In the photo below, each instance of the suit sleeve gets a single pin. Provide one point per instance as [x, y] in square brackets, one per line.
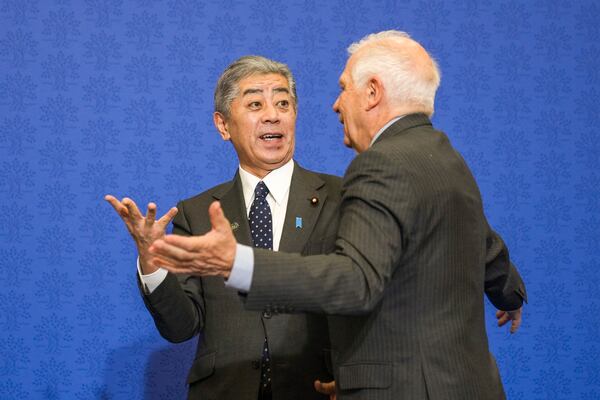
[177, 305]
[503, 284]
[368, 247]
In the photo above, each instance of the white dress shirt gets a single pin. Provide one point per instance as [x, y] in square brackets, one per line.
[278, 182]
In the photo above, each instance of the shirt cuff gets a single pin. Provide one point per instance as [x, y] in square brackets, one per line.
[153, 280]
[240, 277]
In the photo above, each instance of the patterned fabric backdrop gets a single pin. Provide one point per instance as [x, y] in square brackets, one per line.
[114, 96]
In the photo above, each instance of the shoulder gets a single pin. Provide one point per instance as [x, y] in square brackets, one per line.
[320, 178]
[204, 199]
[376, 159]
[412, 149]
[332, 181]
[379, 173]
[332, 186]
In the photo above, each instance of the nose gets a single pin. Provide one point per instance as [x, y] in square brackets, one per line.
[336, 105]
[270, 114]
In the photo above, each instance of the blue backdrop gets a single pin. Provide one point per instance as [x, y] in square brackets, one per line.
[113, 96]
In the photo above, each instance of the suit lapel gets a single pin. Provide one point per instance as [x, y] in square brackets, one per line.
[300, 210]
[232, 202]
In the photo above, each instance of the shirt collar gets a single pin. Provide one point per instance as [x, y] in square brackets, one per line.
[383, 129]
[278, 182]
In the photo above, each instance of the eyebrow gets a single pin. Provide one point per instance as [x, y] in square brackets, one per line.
[254, 90]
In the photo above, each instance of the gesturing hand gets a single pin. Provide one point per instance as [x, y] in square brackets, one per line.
[210, 254]
[514, 316]
[143, 229]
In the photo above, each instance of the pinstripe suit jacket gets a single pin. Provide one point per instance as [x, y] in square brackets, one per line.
[231, 339]
[405, 286]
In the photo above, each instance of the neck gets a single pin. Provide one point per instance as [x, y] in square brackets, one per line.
[383, 118]
[260, 171]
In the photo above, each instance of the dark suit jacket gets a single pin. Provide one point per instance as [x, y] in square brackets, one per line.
[414, 257]
[231, 338]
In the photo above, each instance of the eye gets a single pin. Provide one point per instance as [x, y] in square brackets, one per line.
[254, 105]
[283, 103]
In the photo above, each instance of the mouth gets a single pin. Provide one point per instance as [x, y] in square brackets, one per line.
[270, 136]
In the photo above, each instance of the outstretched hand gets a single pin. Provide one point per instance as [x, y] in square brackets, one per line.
[143, 229]
[514, 316]
[210, 254]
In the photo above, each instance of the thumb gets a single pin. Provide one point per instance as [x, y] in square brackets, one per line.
[218, 221]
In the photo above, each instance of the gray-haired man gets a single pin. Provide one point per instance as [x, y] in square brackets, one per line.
[272, 203]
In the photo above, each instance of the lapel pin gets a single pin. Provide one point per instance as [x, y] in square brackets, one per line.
[314, 201]
[234, 226]
[298, 222]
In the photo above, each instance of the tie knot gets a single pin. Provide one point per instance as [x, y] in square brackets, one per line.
[261, 191]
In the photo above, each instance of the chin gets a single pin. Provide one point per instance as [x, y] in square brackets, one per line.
[347, 141]
[275, 160]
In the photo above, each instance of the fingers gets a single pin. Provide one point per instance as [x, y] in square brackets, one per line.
[141, 227]
[121, 210]
[515, 325]
[168, 217]
[171, 251]
[503, 317]
[111, 199]
[516, 320]
[325, 387]
[177, 267]
[131, 207]
[116, 204]
[188, 243]
[514, 316]
[169, 266]
[162, 262]
[150, 215]
[217, 218]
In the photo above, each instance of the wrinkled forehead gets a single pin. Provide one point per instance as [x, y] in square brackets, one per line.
[262, 83]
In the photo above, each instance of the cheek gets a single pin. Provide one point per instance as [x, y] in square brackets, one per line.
[290, 124]
[348, 122]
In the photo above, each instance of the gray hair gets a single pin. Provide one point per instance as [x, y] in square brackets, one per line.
[227, 87]
[404, 80]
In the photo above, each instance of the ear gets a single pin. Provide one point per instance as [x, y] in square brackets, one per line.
[374, 92]
[221, 125]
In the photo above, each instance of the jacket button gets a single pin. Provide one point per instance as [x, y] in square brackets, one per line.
[266, 314]
[255, 364]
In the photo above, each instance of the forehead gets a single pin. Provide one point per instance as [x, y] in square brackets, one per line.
[263, 82]
[346, 77]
